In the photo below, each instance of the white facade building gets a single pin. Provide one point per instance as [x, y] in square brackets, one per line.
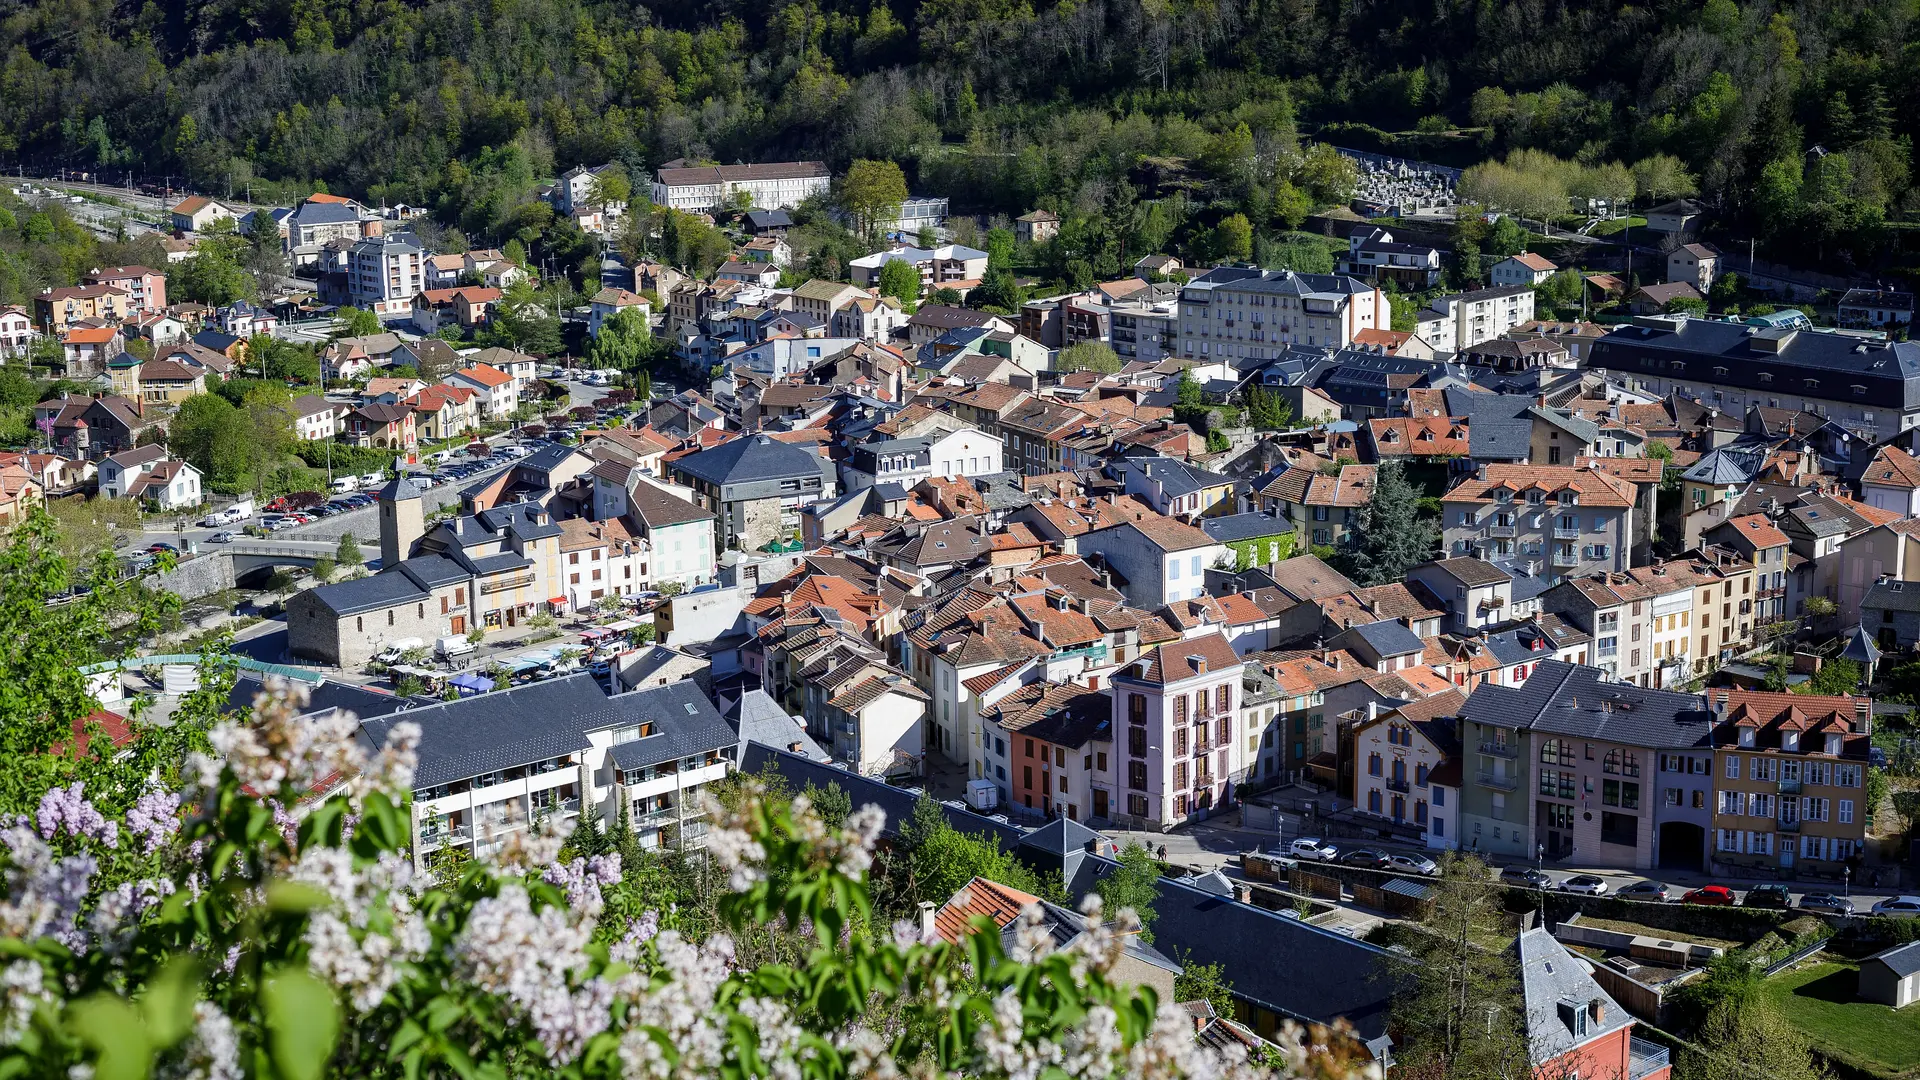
[1234, 312]
[775, 186]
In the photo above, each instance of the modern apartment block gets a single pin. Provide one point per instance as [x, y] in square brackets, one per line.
[385, 273]
[703, 189]
[492, 765]
[1461, 321]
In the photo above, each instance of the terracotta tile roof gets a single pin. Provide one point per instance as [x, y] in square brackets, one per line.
[1759, 531]
[1307, 671]
[1894, 467]
[1640, 470]
[1534, 262]
[1390, 340]
[1592, 488]
[998, 904]
[1353, 486]
[91, 335]
[1180, 660]
[1419, 436]
[485, 375]
[1773, 714]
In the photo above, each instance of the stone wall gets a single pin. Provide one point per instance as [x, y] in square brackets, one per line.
[201, 576]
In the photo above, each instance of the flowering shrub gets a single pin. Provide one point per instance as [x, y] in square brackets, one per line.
[267, 921]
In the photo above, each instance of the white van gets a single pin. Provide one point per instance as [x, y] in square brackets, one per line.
[453, 645]
[373, 480]
[397, 648]
[345, 484]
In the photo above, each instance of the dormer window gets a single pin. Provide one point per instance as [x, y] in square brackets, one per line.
[1789, 740]
[1833, 743]
[1536, 497]
[1503, 495]
[1766, 377]
[1719, 371]
[1746, 738]
[1813, 384]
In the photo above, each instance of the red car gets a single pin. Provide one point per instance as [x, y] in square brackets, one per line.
[1711, 895]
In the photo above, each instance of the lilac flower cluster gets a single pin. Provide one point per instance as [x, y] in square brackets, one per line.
[583, 879]
[22, 989]
[529, 959]
[154, 819]
[364, 938]
[116, 915]
[66, 810]
[212, 1050]
[44, 892]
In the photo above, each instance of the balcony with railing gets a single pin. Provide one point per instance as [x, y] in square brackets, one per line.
[1500, 749]
[1566, 558]
[1644, 1058]
[1499, 781]
[1562, 532]
[432, 839]
[1501, 532]
[1789, 826]
[1399, 784]
[1790, 787]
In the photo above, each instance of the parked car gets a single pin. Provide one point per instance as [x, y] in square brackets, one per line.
[1899, 907]
[1711, 896]
[1413, 864]
[224, 536]
[1768, 896]
[1827, 902]
[1525, 877]
[1308, 847]
[1644, 890]
[1585, 883]
[1364, 857]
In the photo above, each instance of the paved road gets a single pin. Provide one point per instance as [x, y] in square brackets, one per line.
[1218, 843]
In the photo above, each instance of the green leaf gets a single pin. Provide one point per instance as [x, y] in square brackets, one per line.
[294, 896]
[302, 1023]
[167, 1006]
[113, 1029]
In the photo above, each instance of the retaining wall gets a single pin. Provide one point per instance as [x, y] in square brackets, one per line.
[200, 576]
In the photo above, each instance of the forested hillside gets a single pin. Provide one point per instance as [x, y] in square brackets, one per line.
[1001, 104]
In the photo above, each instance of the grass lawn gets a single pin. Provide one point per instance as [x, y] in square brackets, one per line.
[1820, 999]
[1616, 225]
[1621, 926]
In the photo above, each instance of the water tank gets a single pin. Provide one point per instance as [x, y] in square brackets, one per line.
[179, 679]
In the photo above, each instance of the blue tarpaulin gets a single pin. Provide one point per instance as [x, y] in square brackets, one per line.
[469, 685]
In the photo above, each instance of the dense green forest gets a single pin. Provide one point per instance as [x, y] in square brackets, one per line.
[1790, 116]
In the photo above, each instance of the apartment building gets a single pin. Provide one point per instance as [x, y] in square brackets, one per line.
[1573, 520]
[385, 273]
[1059, 740]
[491, 765]
[1871, 388]
[937, 267]
[1144, 330]
[1235, 312]
[1459, 322]
[146, 289]
[1409, 766]
[1574, 766]
[1177, 707]
[704, 189]
[1790, 780]
[57, 309]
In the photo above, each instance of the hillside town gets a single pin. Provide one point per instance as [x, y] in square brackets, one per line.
[1305, 586]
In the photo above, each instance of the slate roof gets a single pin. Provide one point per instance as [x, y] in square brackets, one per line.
[1226, 530]
[760, 719]
[1552, 980]
[1176, 477]
[1571, 699]
[326, 696]
[1389, 637]
[503, 730]
[656, 509]
[1892, 596]
[372, 593]
[1902, 960]
[1767, 360]
[685, 723]
[747, 460]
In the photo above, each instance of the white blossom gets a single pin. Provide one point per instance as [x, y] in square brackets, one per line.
[211, 1051]
[22, 989]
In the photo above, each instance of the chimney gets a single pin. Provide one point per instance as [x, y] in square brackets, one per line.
[1862, 716]
[372, 230]
[1597, 1008]
[1720, 700]
[1243, 892]
[926, 920]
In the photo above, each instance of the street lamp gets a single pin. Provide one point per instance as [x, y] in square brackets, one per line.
[1846, 881]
